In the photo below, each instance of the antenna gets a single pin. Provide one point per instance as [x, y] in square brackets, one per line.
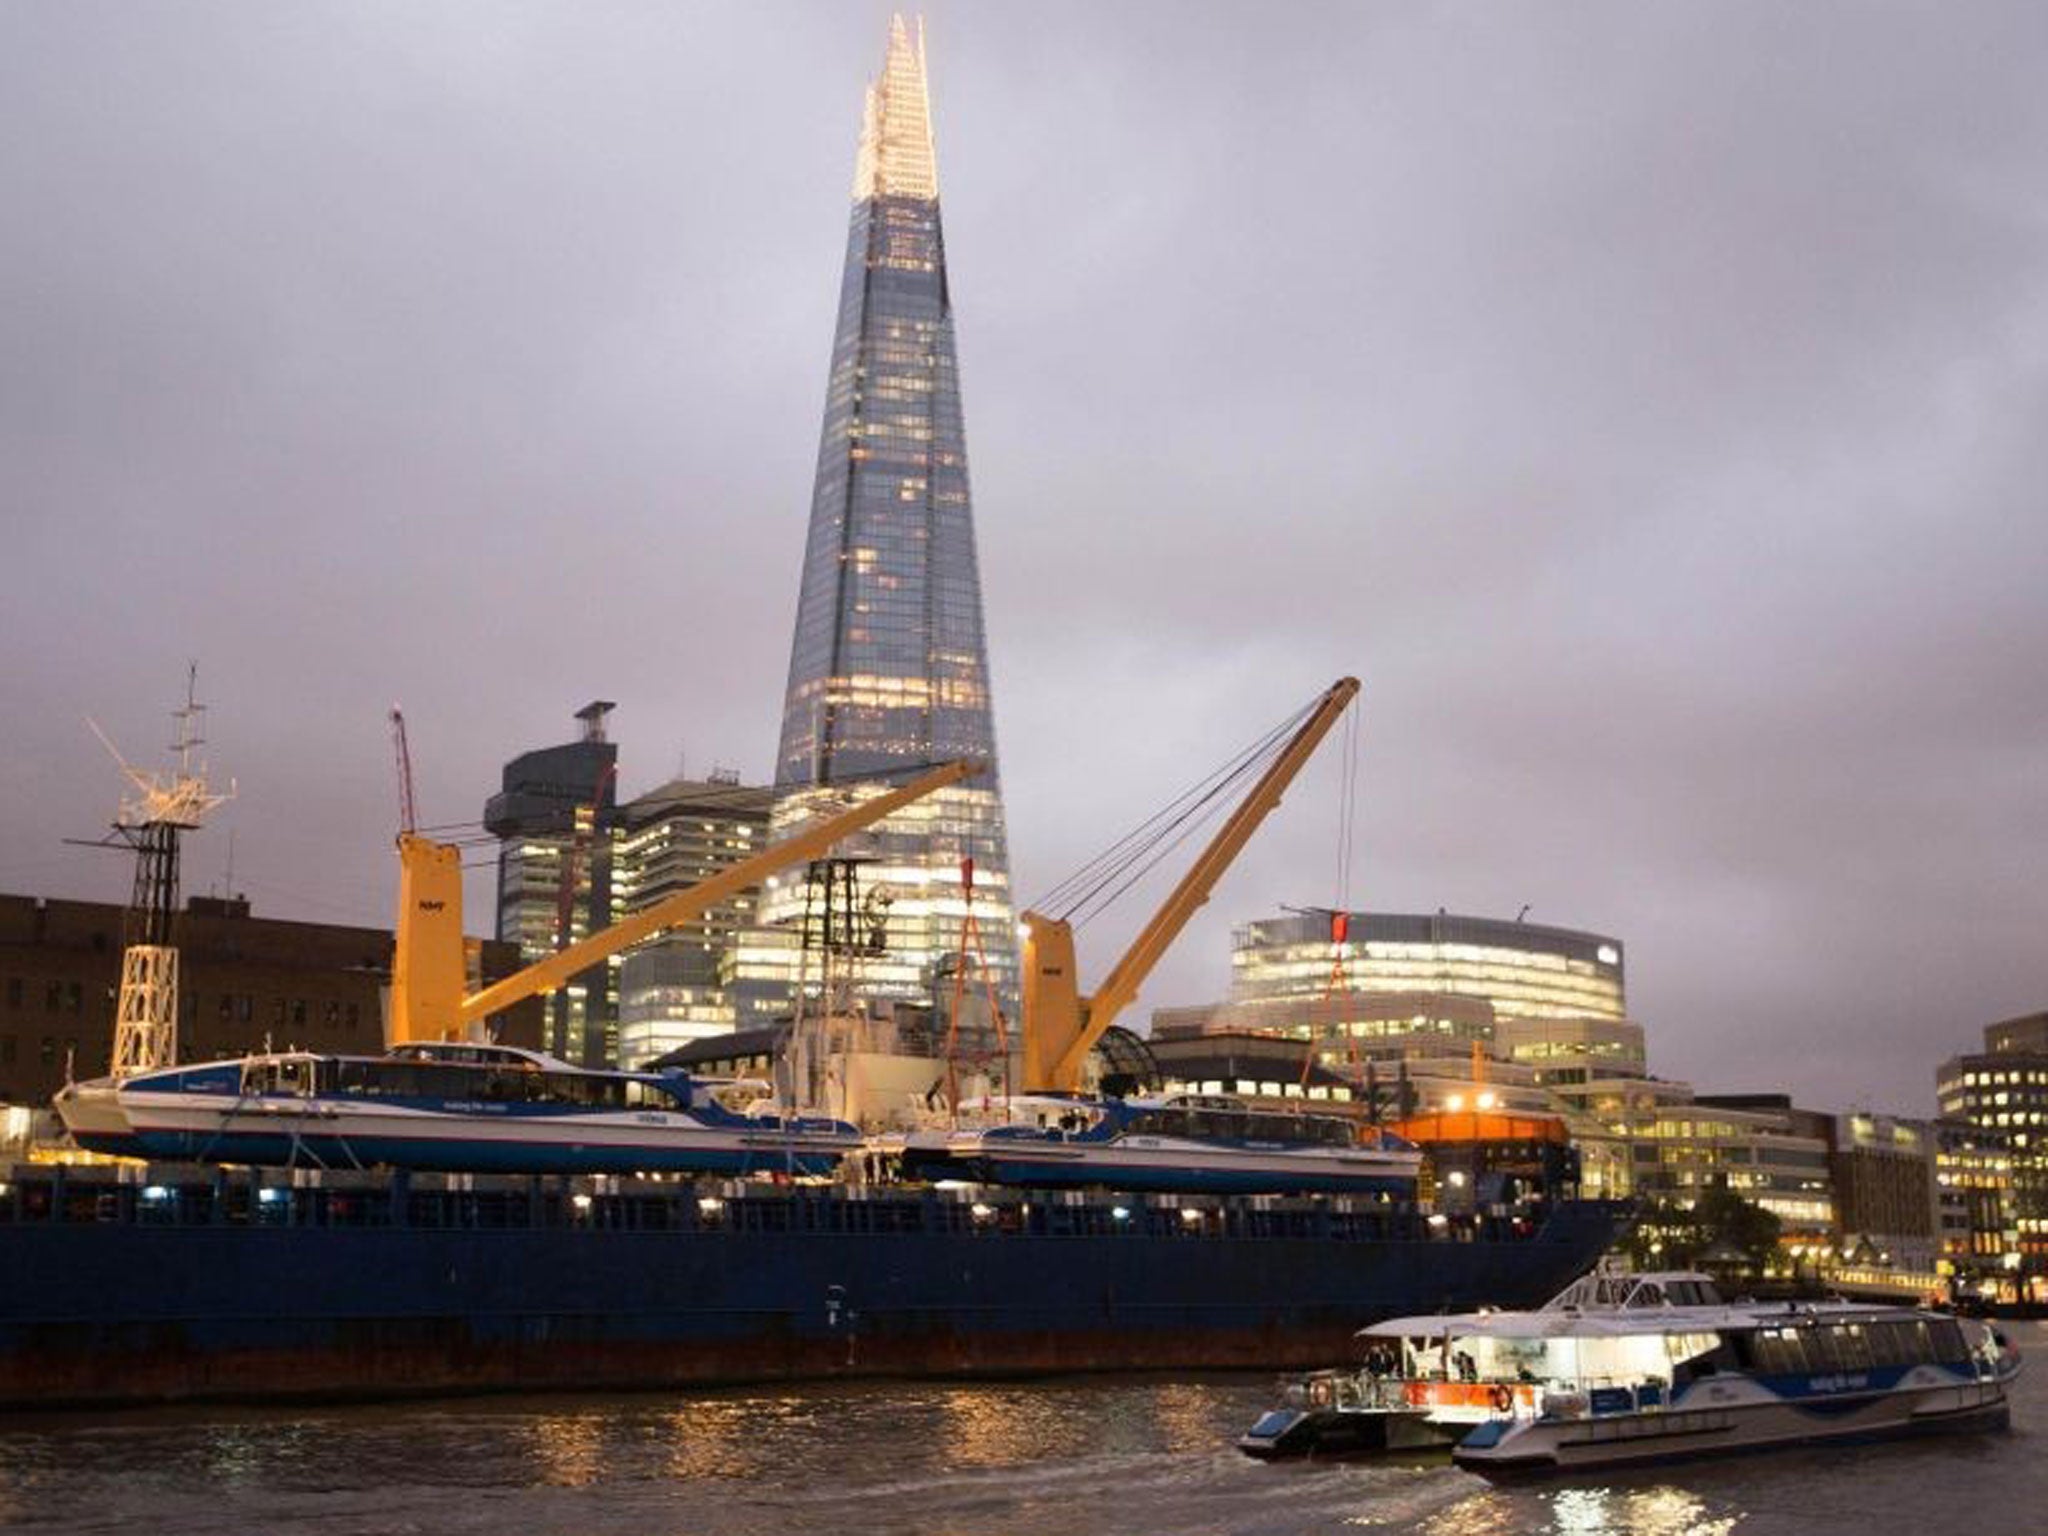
[162, 809]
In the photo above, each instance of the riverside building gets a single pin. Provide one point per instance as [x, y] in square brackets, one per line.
[1978, 1228]
[554, 817]
[2003, 1090]
[888, 666]
[1523, 970]
[683, 985]
[1883, 1171]
[1755, 1144]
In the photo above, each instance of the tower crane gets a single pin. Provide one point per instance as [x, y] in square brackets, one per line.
[1060, 1023]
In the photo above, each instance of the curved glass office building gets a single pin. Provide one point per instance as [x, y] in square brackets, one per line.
[1525, 970]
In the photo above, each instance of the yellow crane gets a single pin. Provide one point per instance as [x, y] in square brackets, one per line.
[428, 973]
[1061, 1025]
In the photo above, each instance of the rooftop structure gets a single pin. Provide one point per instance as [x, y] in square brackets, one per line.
[2027, 1033]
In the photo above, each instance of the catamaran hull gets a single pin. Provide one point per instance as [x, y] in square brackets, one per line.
[92, 1113]
[1545, 1449]
[287, 1133]
[1334, 1434]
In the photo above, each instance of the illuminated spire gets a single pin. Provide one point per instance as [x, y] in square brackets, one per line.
[896, 158]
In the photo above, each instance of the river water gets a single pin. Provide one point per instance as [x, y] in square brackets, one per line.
[1134, 1456]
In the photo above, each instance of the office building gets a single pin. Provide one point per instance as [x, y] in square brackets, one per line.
[1757, 1145]
[554, 816]
[1524, 970]
[1977, 1225]
[682, 985]
[2003, 1090]
[1345, 1025]
[1883, 1171]
[889, 664]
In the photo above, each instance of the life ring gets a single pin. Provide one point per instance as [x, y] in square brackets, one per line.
[1503, 1399]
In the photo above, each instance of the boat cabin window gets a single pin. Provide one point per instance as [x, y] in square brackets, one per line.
[1691, 1293]
[492, 1082]
[293, 1075]
[1208, 1122]
[1950, 1348]
[1898, 1343]
[1776, 1352]
[1792, 1349]
[488, 1080]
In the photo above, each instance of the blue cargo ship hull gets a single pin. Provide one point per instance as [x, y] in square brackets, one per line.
[372, 1285]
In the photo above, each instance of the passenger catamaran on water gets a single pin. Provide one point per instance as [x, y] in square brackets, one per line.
[1621, 1370]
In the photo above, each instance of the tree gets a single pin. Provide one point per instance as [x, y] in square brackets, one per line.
[1672, 1236]
[1729, 1221]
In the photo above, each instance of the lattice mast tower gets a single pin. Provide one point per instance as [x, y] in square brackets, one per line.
[152, 821]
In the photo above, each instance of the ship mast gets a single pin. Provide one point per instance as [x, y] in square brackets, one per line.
[162, 809]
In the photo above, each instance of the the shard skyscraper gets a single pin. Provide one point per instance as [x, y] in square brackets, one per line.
[889, 666]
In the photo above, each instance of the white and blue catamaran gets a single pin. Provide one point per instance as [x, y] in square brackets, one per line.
[1177, 1144]
[453, 1106]
[1624, 1370]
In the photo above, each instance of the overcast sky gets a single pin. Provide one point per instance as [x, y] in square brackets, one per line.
[1646, 402]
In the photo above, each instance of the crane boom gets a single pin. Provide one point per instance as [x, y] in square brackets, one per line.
[1060, 1024]
[430, 920]
[407, 821]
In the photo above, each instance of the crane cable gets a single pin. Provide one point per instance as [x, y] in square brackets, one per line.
[1098, 884]
[1347, 813]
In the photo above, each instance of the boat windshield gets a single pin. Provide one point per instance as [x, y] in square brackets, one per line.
[279, 1074]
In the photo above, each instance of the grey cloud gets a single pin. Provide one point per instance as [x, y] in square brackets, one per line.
[1644, 402]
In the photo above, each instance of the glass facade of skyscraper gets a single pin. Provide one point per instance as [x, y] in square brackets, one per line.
[889, 665]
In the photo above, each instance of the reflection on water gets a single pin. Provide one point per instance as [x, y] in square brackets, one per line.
[1186, 1417]
[1144, 1456]
[565, 1447]
[984, 1430]
[711, 1438]
[1663, 1511]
